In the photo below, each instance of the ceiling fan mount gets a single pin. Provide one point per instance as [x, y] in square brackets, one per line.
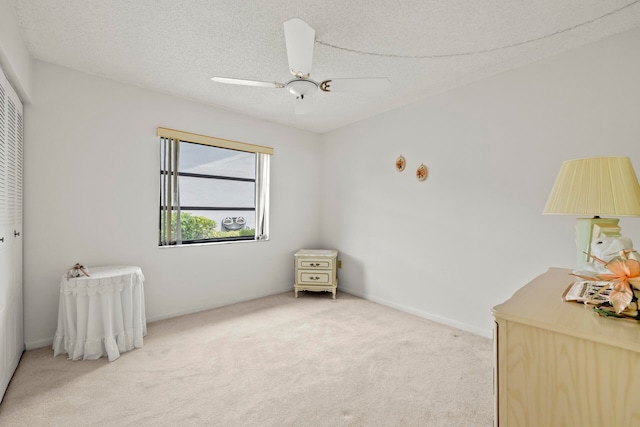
[300, 40]
[301, 87]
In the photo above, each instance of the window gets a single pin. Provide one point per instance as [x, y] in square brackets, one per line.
[211, 189]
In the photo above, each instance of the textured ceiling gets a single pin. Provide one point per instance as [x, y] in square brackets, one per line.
[423, 46]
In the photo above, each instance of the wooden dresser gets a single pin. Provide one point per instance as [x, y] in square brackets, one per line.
[316, 270]
[558, 364]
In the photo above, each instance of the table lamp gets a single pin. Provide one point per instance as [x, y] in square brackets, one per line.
[595, 186]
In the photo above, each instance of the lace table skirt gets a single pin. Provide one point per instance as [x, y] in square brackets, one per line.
[101, 315]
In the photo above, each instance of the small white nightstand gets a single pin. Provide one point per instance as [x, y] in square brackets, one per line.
[316, 270]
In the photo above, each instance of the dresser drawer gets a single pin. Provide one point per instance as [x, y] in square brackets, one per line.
[310, 263]
[314, 277]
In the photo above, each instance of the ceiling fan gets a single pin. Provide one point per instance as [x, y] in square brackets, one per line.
[300, 39]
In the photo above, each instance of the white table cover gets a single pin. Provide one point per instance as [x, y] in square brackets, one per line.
[101, 315]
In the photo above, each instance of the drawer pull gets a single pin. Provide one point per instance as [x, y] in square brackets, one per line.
[314, 278]
[16, 233]
[1, 239]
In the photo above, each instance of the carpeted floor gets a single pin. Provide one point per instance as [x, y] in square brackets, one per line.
[274, 361]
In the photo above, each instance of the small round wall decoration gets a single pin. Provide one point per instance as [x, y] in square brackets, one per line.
[400, 163]
[421, 172]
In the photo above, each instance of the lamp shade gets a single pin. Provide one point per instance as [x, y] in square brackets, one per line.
[595, 186]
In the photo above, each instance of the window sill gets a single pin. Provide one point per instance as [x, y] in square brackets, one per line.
[226, 242]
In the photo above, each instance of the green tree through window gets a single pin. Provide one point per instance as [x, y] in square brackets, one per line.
[195, 227]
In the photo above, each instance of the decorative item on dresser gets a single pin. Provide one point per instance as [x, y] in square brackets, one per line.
[593, 187]
[558, 365]
[316, 270]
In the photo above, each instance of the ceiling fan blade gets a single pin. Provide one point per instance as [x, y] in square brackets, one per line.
[231, 81]
[304, 105]
[373, 84]
[300, 38]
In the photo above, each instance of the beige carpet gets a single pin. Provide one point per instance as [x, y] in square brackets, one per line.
[274, 361]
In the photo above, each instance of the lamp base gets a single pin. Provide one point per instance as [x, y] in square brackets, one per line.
[588, 229]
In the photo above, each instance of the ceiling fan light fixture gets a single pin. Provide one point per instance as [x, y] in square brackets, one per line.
[302, 88]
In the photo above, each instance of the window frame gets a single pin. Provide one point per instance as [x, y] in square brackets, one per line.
[169, 186]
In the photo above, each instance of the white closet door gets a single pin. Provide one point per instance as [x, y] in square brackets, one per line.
[5, 249]
[15, 143]
[11, 302]
[4, 212]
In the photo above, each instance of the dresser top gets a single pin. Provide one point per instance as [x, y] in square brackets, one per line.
[331, 253]
[539, 303]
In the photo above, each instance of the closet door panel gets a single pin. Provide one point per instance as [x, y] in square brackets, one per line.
[4, 204]
[11, 299]
[6, 346]
[5, 356]
[16, 144]
[5, 248]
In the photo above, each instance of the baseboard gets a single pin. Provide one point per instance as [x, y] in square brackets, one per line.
[209, 307]
[426, 315]
[46, 342]
[31, 345]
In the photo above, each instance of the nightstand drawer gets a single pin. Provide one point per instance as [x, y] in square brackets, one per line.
[314, 277]
[322, 264]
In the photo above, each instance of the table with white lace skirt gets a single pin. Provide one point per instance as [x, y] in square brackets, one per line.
[101, 315]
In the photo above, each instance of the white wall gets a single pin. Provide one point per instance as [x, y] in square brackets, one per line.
[14, 56]
[91, 196]
[452, 247]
